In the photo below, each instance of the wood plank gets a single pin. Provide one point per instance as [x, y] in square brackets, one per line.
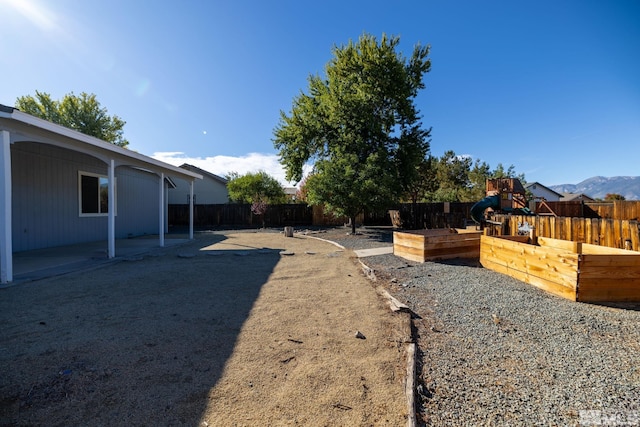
[400, 249]
[607, 274]
[599, 283]
[567, 232]
[564, 274]
[406, 253]
[442, 257]
[552, 228]
[597, 292]
[573, 247]
[635, 235]
[539, 282]
[543, 228]
[407, 239]
[451, 244]
[604, 250]
[588, 235]
[595, 231]
[626, 233]
[609, 260]
[428, 241]
[607, 233]
[521, 239]
[578, 226]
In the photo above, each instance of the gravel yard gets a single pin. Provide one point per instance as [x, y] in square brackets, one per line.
[496, 351]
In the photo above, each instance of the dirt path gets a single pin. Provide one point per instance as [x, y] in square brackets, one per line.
[225, 331]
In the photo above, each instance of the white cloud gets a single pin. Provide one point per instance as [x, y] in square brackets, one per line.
[222, 165]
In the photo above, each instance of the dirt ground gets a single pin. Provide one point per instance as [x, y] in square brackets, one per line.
[227, 330]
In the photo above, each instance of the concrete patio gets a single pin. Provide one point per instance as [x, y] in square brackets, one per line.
[48, 262]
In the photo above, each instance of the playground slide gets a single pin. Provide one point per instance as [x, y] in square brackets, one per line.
[477, 210]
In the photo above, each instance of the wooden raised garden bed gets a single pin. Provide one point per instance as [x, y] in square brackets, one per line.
[572, 270]
[437, 244]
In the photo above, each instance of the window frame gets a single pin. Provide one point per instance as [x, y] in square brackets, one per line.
[100, 177]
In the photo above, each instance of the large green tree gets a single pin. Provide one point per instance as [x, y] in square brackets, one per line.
[359, 126]
[79, 112]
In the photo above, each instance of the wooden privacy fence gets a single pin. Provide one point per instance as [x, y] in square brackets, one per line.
[613, 233]
[223, 215]
[617, 209]
[425, 215]
[420, 215]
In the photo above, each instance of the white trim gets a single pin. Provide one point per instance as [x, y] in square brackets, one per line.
[97, 175]
[161, 211]
[191, 210]
[6, 244]
[100, 149]
[111, 209]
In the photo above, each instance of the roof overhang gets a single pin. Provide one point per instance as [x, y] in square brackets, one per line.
[25, 127]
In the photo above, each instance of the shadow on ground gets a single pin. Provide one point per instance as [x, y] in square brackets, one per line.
[140, 342]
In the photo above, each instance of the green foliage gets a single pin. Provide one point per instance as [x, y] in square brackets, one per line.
[360, 126]
[454, 178]
[614, 196]
[255, 188]
[425, 185]
[82, 113]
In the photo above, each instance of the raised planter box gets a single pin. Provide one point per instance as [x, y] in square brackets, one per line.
[572, 270]
[437, 244]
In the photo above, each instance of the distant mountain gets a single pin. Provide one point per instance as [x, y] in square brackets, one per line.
[599, 186]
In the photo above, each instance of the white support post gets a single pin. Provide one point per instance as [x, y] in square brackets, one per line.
[191, 210]
[111, 215]
[6, 246]
[161, 210]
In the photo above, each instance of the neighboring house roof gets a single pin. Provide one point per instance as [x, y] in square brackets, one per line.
[532, 185]
[203, 173]
[567, 197]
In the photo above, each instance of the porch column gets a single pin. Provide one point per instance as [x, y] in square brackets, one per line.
[111, 215]
[161, 210]
[191, 210]
[6, 245]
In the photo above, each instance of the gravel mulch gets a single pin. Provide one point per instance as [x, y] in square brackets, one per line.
[496, 351]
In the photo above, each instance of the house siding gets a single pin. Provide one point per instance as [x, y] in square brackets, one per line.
[540, 191]
[138, 199]
[206, 191]
[45, 198]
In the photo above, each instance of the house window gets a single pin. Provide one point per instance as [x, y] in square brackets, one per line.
[93, 194]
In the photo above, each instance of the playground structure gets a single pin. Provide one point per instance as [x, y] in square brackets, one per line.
[503, 195]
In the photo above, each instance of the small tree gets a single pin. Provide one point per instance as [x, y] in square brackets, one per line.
[259, 207]
[82, 113]
[614, 196]
[258, 189]
[254, 187]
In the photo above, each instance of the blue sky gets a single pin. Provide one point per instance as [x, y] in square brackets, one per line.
[552, 87]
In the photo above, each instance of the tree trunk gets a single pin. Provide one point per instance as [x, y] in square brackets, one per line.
[353, 224]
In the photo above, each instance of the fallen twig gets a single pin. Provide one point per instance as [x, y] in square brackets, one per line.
[341, 406]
